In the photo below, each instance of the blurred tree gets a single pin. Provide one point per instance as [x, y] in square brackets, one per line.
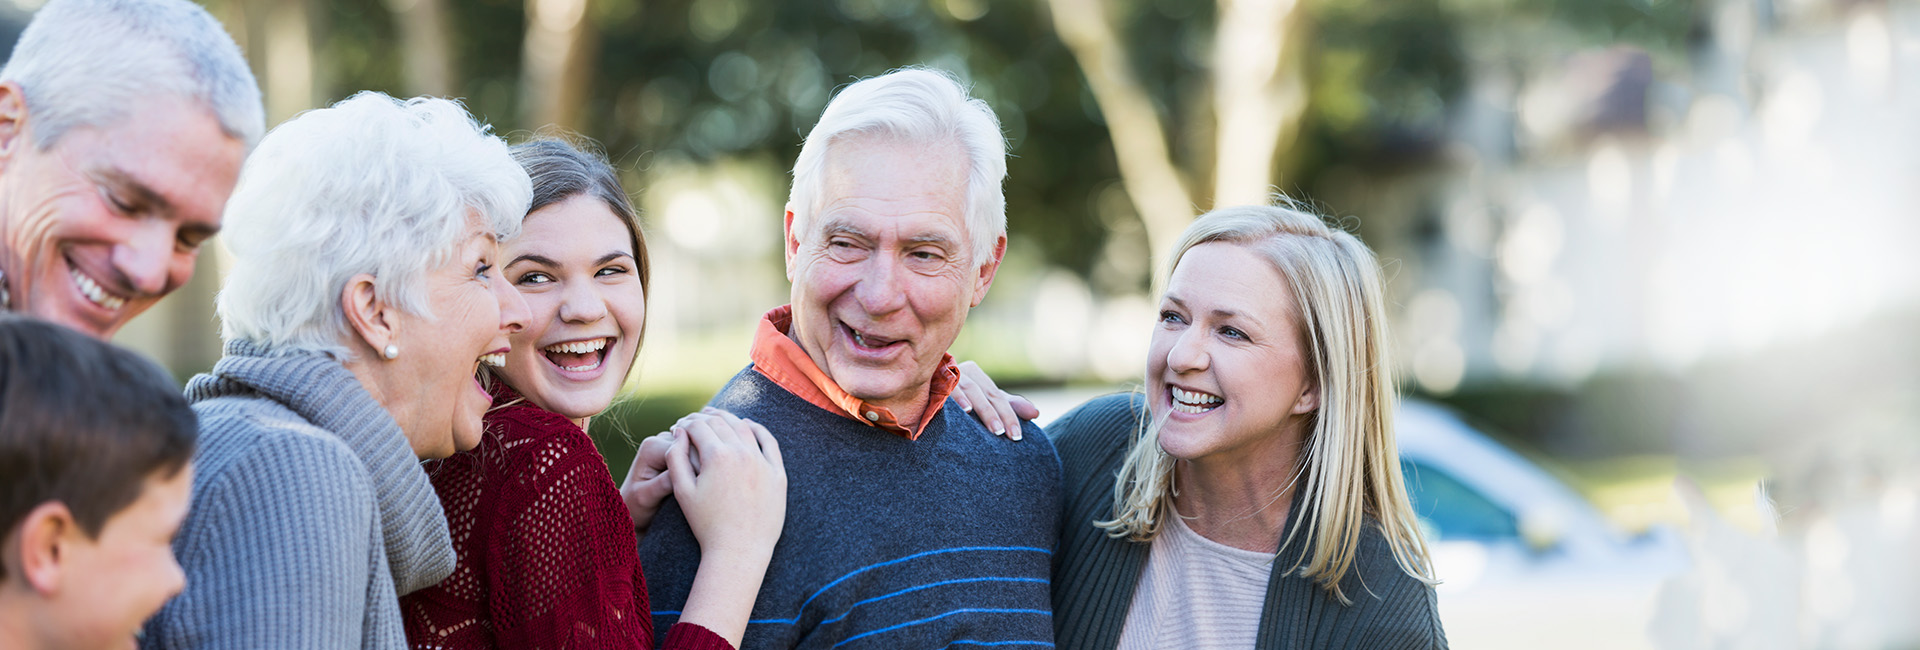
[1259, 96]
[557, 62]
[428, 68]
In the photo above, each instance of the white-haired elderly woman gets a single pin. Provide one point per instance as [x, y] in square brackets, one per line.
[363, 298]
[1252, 498]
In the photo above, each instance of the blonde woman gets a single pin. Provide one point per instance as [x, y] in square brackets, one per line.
[1259, 500]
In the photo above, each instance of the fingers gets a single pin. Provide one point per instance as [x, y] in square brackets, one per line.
[680, 468]
[1000, 402]
[769, 447]
[1023, 407]
[989, 415]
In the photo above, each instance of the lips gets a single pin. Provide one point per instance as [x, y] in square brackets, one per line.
[867, 340]
[1190, 401]
[579, 356]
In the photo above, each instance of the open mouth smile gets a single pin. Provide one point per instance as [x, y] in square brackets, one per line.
[91, 289]
[1188, 401]
[579, 356]
[867, 342]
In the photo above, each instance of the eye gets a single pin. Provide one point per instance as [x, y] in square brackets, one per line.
[483, 272]
[531, 278]
[611, 270]
[1233, 333]
[114, 200]
[1171, 318]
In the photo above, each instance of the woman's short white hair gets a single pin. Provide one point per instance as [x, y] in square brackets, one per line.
[371, 185]
[92, 62]
[916, 105]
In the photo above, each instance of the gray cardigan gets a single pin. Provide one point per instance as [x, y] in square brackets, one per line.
[1094, 575]
[310, 513]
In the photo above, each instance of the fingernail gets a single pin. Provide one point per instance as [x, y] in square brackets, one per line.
[999, 430]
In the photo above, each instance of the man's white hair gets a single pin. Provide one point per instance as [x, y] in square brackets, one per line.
[92, 62]
[371, 185]
[916, 105]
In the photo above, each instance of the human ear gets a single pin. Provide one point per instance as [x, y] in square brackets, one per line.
[43, 532]
[1309, 400]
[793, 243]
[368, 315]
[13, 122]
[988, 270]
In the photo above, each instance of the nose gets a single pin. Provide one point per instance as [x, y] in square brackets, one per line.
[144, 259]
[582, 303]
[513, 307]
[1189, 352]
[881, 289]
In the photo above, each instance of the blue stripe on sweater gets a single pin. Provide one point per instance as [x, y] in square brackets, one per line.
[970, 610]
[803, 605]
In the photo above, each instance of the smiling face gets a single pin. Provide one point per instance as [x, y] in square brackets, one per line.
[474, 310]
[107, 221]
[116, 580]
[884, 276]
[1228, 366]
[574, 263]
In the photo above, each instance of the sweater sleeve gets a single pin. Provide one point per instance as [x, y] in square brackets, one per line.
[691, 636]
[276, 554]
[563, 572]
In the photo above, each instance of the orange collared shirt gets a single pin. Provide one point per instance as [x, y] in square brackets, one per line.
[781, 360]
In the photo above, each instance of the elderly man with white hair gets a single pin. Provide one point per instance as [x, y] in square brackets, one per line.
[909, 524]
[123, 124]
[364, 297]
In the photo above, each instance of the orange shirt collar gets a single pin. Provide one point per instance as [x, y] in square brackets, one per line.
[781, 360]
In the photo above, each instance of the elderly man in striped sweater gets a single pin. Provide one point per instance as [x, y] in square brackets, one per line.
[909, 523]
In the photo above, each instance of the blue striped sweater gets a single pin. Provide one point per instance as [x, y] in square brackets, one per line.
[944, 541]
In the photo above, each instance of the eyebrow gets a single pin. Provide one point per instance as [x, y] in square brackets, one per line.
[548, 261]
[831, 228]
[1218, 313]
[122, 180]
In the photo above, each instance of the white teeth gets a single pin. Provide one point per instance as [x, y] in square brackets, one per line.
[579, 347]
[582, 368]
[1187, 401]
[94, 293]
[497, 359]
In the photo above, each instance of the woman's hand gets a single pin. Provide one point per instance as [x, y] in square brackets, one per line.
[1000, 410]
[728, 477]
[647, 483]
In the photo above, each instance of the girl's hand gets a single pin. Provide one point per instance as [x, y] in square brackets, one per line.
[647, 483]
[728, 477]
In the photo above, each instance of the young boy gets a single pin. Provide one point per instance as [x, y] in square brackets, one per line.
[95, 452]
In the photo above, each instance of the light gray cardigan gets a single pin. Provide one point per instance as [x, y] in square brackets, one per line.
[310, 513]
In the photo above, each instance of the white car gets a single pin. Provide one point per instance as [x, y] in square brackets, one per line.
[1525, 561]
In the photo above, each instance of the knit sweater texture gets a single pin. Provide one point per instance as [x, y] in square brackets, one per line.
[1095, 577]
[310, 514]
[891, 543]
[545, 546]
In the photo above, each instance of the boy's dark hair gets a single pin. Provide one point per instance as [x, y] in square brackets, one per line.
[82, 422]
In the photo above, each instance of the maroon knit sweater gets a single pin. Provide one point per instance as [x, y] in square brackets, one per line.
[545, 546]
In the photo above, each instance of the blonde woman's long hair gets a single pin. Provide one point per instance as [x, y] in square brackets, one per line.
[1350, 469]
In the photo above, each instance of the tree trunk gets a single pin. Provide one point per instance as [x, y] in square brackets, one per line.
[1259, 93]
[556, 63]
[1158, 192]
[427, 66]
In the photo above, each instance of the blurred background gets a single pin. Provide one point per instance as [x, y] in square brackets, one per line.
[1651, 263]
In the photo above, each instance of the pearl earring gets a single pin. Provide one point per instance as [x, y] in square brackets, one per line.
[392, 351]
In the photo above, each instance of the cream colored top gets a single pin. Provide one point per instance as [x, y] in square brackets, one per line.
[1197, 593]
